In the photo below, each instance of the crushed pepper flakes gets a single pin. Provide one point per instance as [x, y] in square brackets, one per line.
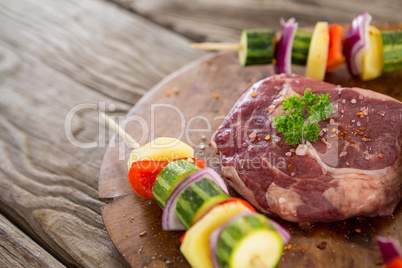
[268, 137]
[358, 230]
[126, 235]
[287, 247]
[253, 94]
[380, 155]
[216, 96]
[167, 93]
[143, 233]
[360, 114]
[176, 90]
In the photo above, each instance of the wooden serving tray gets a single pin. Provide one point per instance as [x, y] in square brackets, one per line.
[348, 243]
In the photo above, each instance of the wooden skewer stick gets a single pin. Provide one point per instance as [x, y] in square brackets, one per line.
[217, 46]
[120, 131]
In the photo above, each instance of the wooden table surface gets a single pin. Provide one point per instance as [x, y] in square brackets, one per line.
[58, 57]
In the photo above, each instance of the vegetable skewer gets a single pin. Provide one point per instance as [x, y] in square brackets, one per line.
[201, 204]
[368, 52]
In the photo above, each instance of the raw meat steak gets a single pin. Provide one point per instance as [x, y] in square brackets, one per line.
[354, 168]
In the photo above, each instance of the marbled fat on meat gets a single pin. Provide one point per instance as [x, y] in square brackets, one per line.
[353, 169]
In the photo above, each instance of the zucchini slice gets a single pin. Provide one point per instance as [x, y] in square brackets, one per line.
[170, 177]
[198, 198]
[257, 46]
[392, 45]
[250, 241]
[300, 47]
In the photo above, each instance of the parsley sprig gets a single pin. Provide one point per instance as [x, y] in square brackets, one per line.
[303, 115]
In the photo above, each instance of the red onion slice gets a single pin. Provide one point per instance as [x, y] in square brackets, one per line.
[284, 49]
[170, 221]
[214, 236]
[390, 248]
[357, 42]
[285, 235]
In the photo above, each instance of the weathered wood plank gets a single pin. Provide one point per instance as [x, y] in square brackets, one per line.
[223, 20]
[55, 55]
[18, 250]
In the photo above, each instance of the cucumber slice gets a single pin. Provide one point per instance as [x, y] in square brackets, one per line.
[300, 47]
[257, 46]
[169, 178]
[392, 45]
[197, 199]
[249, 241]
[318, 52]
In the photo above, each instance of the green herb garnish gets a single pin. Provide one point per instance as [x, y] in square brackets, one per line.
[303, 115]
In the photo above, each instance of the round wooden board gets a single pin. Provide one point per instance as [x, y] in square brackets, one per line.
[348, 244]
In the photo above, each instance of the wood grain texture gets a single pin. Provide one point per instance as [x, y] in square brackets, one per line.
[18, 250]
[55, 55]
[223, 20]
[349, 243]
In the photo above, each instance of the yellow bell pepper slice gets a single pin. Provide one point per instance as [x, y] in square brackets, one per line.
[318, 52]
[161, 149]
[373, 60]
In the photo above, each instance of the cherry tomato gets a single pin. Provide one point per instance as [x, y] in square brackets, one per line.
[142, 175]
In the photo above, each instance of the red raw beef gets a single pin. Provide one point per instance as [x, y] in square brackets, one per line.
[353, 169]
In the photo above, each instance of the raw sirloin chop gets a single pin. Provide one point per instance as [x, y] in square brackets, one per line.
[354, 168]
